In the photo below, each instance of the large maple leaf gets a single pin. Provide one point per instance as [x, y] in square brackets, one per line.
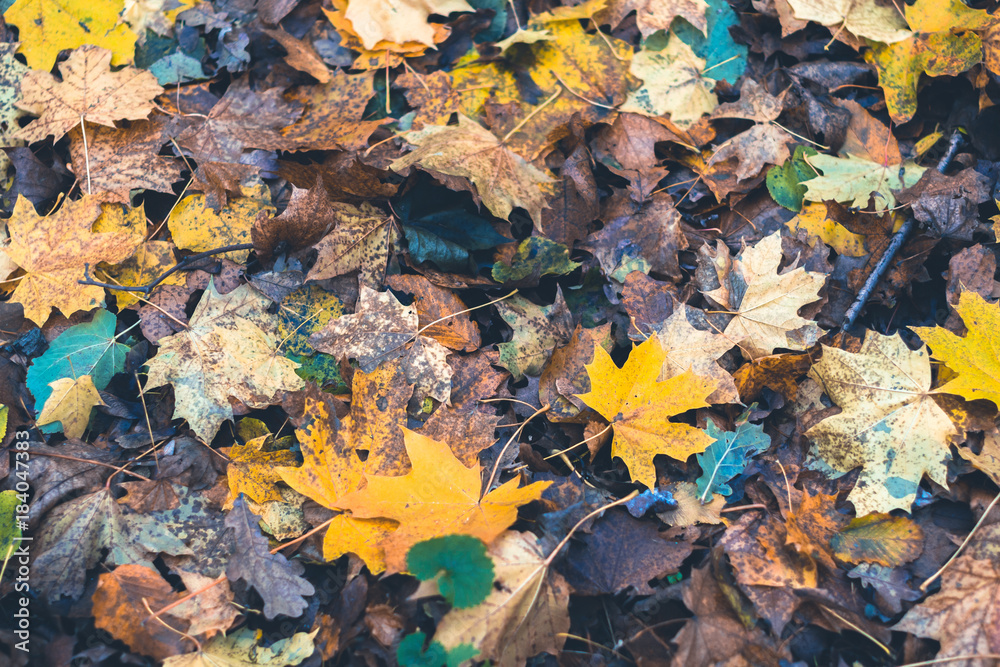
[639, 408]
[53, 252]
[47, 27]
[439, 496]
[331, 468]
[229, 350]
[766, 303]
[88, 92]
[500, 177]
[974, 356]
[890, 425]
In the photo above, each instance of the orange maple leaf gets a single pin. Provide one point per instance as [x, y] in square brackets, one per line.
[639, 408]
[440, 496]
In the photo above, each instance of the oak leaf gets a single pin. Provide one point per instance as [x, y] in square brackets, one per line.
[229, 350]
[70, 404]
[439, 496]
[639, 408]
[48, 27]
[765, 302]
[88, 92]
[525, 614]
[972, 357]
[890, 425]
[500, 178]
[53, 252]
[383, 329]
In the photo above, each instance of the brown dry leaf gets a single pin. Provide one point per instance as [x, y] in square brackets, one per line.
[383, 329]
[756, 548]
[334, 114]
[526, 613]
[457, 332]
[88, 92]
[439, 496]
[469, 429]
[765, 302]
[432, 95]
[764, 143]
[301, 54]
[209, 612]
[374, 425]
[253, 471]
[653, 15]
[780, 373]
[53, 251]
[812, 524]
[627, 148]
[120, 609]
[500, 178]
[639, 408]
[115, 162]
[565, 375]
[310, 214]
[361, 239]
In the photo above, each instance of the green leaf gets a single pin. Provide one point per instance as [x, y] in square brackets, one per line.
[464, 571]
[879, 538]
[9, 530]
[727, 457]
[784, 181]
[447, 238]
[856, 179]
[84, 349]
[411, 653]
[536, 256]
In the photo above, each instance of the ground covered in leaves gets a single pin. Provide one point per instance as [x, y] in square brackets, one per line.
[420, 332]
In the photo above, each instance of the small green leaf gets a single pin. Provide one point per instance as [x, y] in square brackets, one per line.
[411, 653]
[9, 531]
[784, 181]
[536, 256]
[464, 571]
[727, 457]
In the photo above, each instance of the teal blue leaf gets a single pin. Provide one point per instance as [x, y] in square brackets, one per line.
[425, 246]
[497, 25]
[177, 68]
[460, 562]
[724, 58]
[729, 454]
[446, 238]
[784, 181]
[83, 349]
[536, 256]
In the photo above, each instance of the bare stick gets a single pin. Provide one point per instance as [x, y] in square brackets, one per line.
[184, 263]
[968, 538]
[894, 245]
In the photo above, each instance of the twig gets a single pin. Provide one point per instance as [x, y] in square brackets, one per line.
[86, 151]
[894, 245]
[91, 462]
[182, 264]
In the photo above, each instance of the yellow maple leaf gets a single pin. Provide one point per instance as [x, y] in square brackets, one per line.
[766, 309]
[639, 408]
[253, 471]
[331, 468]
[673, 82]
[890, 426]
[48, 27]
[501, 178]
[815, 220]
[974, 356]
[70, 403]
[88, 92]
[195, 226]
[53, 252]
[439, 496]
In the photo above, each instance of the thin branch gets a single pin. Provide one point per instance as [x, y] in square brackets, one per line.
[968, 538]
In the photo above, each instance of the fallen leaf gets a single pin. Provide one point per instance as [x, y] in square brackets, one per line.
[728, 455]
[229, 349]
[765, 142]
[242, 648]
[334, 116]
[439, 312]
[538, 330]
[525, 614]
[70, 404]
[698, 350]
[195, 226]
[253, 471]
[890, 425]
[639, 408]
[439, 496]
[884, 539]
[404, 21]
[53, 252]
[361, 239]
[673, 83]
[863, 18]
[500, 178]
[651, 16]
[88, 92]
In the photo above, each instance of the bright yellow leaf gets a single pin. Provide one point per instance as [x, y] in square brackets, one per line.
[814, 219]
[254, 471]
[70, 403]
[195, 226]
[639, 408]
